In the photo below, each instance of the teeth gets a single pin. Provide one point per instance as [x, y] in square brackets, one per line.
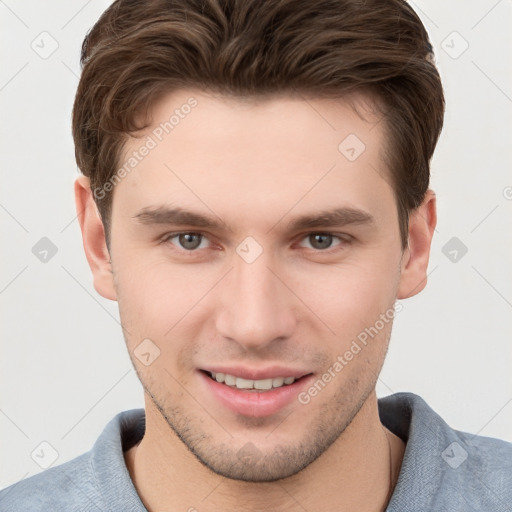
[243, 383]
[262, 384]
[230, 380]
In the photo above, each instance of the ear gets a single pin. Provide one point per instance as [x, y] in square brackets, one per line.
[422, 222]
[93, 236]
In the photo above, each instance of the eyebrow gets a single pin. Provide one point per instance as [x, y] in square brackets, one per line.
[337, 217]
[178, 217]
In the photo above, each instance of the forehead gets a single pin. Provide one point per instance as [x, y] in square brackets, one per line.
[209, 118]
[247, 156]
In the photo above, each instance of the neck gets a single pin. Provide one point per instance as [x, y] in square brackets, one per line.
[357, 472]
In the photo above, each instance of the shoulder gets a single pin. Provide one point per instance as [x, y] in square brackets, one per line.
[474, 472]
[444, 468]
[485, 465]
[68, 487]
[96, 480]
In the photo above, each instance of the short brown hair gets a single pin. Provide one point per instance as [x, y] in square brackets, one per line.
[139, 50]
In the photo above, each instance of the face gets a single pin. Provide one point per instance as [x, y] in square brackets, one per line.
[256, 245]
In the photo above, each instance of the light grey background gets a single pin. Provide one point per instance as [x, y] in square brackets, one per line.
[64, 368]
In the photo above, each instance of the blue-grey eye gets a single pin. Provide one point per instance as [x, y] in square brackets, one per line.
[190, 241]
[320, 240]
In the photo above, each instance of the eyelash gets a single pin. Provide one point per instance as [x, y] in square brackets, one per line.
[343, 240]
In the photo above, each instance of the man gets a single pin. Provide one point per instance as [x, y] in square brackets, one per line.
[255, 197]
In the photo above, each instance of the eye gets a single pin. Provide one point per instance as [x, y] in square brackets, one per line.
[189, 241]
[322, 241]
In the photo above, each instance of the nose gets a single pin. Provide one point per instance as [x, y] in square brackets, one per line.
[255, 308]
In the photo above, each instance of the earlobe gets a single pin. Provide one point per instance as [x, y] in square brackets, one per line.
[422, 223]
[93, 237]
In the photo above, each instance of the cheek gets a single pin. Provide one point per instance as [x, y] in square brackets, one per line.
[157, 303]
[155, 298]
[159, 299]
[349, 298]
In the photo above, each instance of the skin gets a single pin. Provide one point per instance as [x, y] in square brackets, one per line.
[255, 166]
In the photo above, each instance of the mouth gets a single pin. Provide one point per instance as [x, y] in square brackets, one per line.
[254, 397]
[251, 384]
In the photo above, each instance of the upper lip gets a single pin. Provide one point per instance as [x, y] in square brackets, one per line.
[270, 372]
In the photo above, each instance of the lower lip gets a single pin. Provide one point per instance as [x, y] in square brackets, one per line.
[255, 403]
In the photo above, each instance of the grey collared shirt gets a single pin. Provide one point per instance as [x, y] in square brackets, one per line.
[442, 470]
